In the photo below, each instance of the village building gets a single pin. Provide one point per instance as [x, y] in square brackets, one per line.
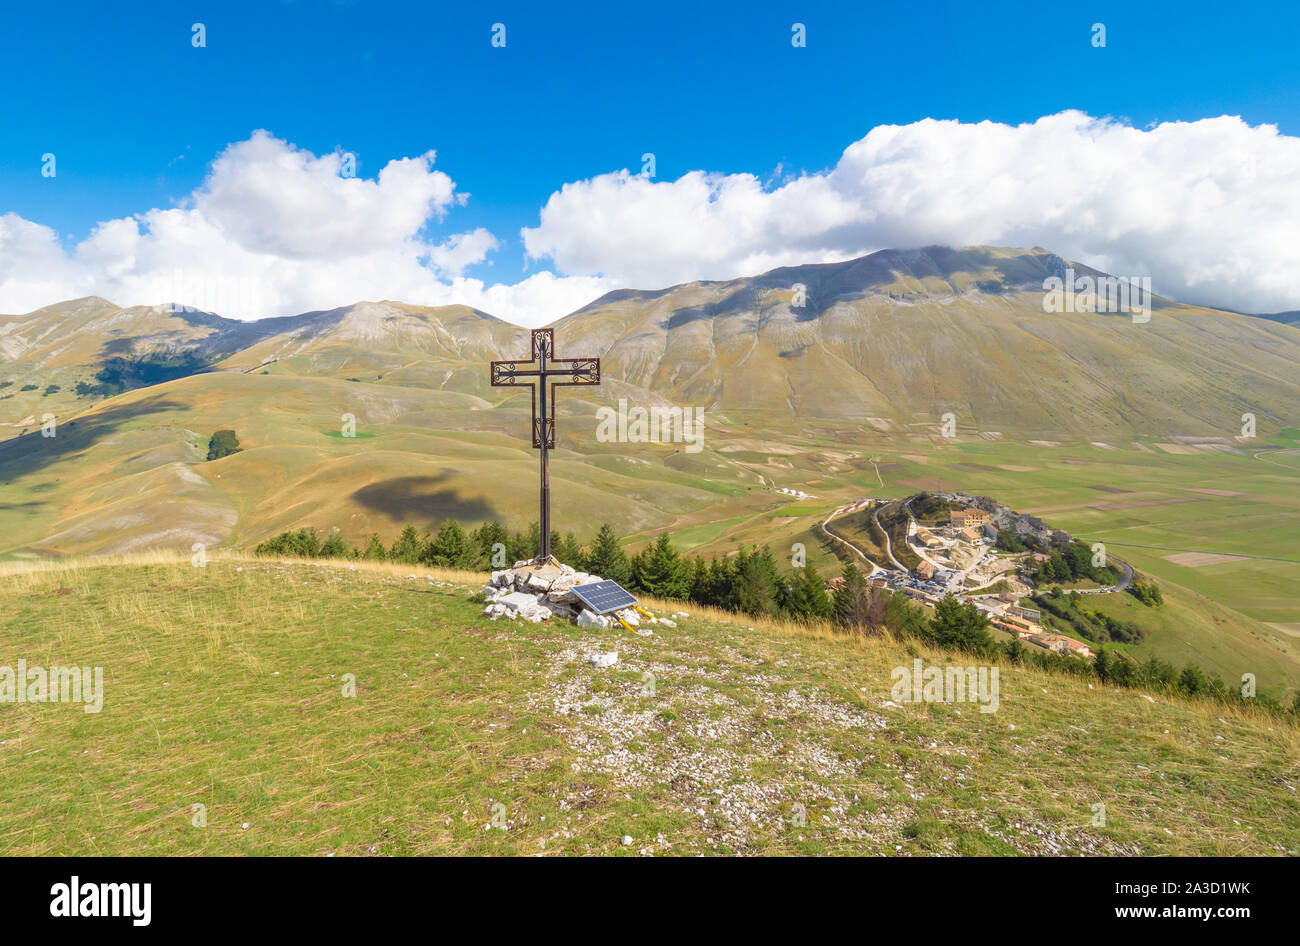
[1063, 645]
[1078, 648]
[960, 518]
[1013, 625]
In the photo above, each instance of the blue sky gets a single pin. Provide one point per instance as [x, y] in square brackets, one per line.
[136, 115]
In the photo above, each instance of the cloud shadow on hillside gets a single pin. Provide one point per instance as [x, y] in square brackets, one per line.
[418, 499]
[122, 369]
[29, 452]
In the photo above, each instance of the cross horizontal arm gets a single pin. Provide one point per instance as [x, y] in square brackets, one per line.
[582, 371]
[544, 372]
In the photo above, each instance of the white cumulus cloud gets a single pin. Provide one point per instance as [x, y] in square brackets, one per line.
[276, 230]
[268, 197]
[1210, 209]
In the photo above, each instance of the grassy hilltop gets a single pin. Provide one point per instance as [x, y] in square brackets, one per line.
[224, 688]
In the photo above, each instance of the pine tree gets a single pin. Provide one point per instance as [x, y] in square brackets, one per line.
[525, 545]
[803, 597]
[566, 548]
[333, 546]
[375, 549]
[407, 547]
[848, 598]
[1192, 681]
[607, 558]
[492, 538]
[451, 548]
[720, 584]
[757, 582]
[556, 541]
[657, 570]
[791, 600]
[1056, 568]
[960, 625]
[1122, 671]
[699, 580]
[813, 593]
[901, 615]
[1157, 672]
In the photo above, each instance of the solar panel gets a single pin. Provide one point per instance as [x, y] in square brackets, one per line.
[604, 596]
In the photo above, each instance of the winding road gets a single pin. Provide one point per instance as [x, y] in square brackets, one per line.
[1121, 586]
[843, 541]
[889, 550]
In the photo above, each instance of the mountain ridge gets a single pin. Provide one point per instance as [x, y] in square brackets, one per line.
[871, 262]
[903, 337]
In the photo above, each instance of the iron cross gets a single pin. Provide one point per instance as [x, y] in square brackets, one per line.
[535, 374]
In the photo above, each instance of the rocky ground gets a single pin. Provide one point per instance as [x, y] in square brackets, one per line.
[756, 756]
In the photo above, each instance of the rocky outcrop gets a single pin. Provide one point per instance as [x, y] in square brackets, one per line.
[536, 591]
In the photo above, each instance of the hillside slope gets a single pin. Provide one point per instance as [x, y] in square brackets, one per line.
[107, 349]
[224, 688]
[906, 336]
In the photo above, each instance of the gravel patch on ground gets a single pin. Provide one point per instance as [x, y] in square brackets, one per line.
[748, 754]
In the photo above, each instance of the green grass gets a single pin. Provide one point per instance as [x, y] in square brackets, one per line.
[224, 687]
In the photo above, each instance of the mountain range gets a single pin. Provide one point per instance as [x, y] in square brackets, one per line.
[897, 337]
[879, 347]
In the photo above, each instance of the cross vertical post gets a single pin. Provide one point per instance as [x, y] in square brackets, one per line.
[548, 368]
[540, 352]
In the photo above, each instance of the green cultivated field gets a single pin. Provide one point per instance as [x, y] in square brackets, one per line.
[224, 688]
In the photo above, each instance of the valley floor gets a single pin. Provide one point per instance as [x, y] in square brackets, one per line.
[225, 687]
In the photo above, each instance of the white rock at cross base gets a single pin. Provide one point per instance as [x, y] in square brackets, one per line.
[518, 600]
[591, 619]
